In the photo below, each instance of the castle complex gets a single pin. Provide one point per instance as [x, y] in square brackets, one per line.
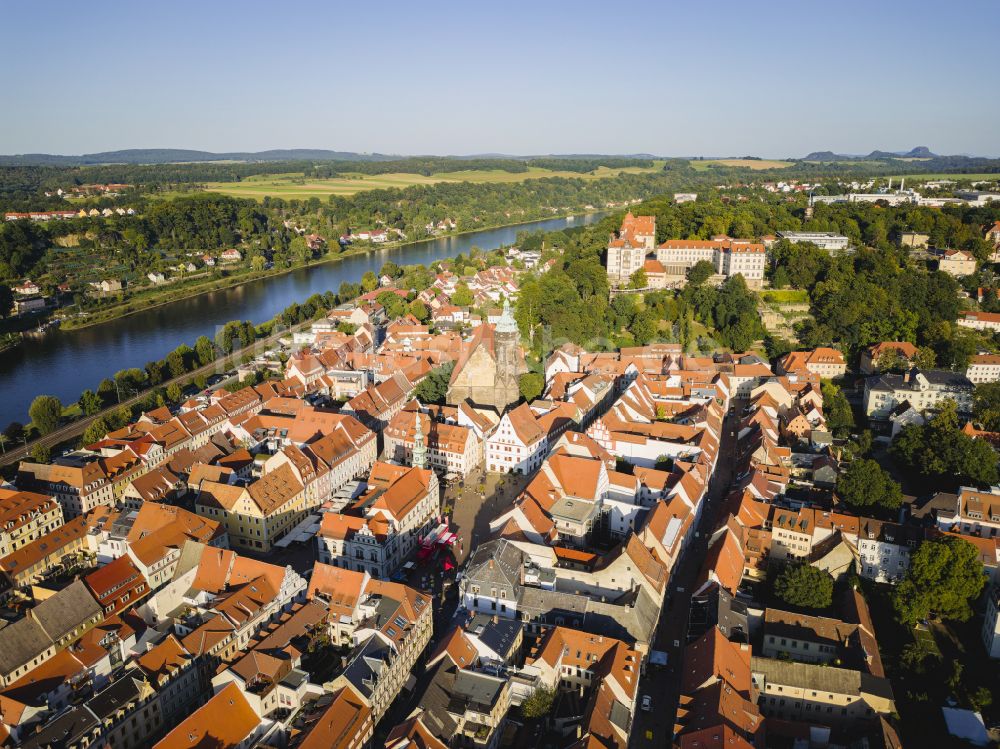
[666, 265]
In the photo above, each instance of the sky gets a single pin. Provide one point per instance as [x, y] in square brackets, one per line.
[703, 77]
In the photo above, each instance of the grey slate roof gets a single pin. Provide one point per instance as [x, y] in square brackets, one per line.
[64, 731]
[499, 635]
[67, 610]
[496, 563]
[480, 691]
[366, 665]
[936, 377]
[435, 700]
[820, 678]
[717, 607]
[46, 624]
[631, 618]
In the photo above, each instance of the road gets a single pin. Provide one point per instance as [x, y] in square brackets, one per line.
[75, 429]
[655, 728]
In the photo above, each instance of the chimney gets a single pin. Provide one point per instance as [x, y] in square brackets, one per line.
[906, 376]
[496, 619]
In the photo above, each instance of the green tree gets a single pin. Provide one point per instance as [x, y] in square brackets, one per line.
[95, 431]
[14, 432]
[986, 405]
[637, 280]
[643, 327]
[258, 263]
[90, 402]
[45, 412]
[154, 372]
[394, 305]
[539, 703]
[130, 381]
[205, 350]
[419, 310]
[925, 358]
[780, 278]
[919, 657]
[118, 418]
[700, 272]
[531, 385]
[6, 301]
[434, 387]
[175, 363]
[369, 281]
[462, 296]
[944, 577]
[864, 484]
[174, 393]
[40, 453]
[940, 452]
[802, 585]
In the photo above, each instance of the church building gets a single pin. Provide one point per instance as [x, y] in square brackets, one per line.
[487, 372]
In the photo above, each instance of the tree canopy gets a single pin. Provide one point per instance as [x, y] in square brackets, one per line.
[986, 405]
[434, 387]
[45, 412]
[864, 484]
[531, 385]
[940, 452]
[804, 586]
[945, 575]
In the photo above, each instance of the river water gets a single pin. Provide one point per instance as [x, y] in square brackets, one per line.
[64, 363]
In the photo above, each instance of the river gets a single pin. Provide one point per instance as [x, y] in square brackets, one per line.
[64, 363]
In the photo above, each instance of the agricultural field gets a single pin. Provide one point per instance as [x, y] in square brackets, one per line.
[753, 164]
[954, 176]
[295, 186]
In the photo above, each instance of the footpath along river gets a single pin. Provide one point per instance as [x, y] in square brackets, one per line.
[64, 363]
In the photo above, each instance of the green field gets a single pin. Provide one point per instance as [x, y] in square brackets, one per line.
[293, 186]
[753, 164]
[957, 177]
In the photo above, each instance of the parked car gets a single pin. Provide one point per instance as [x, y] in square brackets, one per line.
[647, 703]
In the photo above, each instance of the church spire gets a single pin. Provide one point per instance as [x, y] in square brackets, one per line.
[506, 323]
[419, 445]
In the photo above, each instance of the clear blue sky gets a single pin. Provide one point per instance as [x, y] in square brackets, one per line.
[769, 78]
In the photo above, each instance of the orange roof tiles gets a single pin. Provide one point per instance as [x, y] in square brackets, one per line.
[345, 724]
[226, 720]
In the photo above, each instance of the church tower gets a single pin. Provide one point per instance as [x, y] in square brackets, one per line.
[506, 340]
[419, 445]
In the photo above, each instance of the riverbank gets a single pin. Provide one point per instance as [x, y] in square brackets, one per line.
[65, 362]
[143, 302]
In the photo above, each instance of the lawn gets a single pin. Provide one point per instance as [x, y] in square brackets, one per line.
[786, 296]
[296, 186]
[752, 164]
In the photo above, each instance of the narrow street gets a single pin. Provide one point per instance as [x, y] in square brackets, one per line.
[662, 684]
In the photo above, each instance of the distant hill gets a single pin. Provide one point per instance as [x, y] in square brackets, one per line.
[182, 155]
[179, 155]
[920, 152]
